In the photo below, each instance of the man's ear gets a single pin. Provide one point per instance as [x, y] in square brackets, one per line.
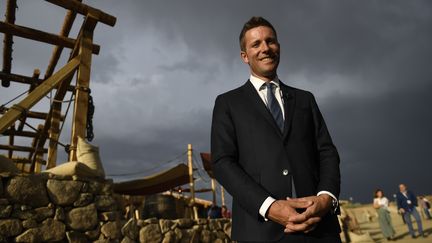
[244, 57]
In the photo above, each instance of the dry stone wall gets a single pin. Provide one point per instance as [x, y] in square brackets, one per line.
[48, 208]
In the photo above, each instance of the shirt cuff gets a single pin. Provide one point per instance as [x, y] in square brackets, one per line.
[335, 204]
[265, 206]
[328, 193]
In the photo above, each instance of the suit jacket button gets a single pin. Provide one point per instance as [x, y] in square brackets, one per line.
[285, 172]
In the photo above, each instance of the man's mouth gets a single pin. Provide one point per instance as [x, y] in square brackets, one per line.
[268, 59]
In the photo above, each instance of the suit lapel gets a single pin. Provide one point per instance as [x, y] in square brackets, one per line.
[261, 108]
[289, 104]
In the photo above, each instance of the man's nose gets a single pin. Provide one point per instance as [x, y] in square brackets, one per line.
[265, 47]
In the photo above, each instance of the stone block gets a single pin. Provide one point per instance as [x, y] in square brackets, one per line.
[82, 218]
[5, 211]
[111, 230]
[184, 223]
[30, 223]
[10, 227]
[105, 203]
[84, 199]
[150, 233]
[165, 225]
[63, 192]
[28, 190]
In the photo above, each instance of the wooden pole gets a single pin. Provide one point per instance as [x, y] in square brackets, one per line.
[11, 140]
[223, 195]
[191, 181]
[65, 30]
[213, 187]
[8, 41]
[79, 120]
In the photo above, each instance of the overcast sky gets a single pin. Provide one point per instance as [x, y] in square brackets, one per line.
[162, 65]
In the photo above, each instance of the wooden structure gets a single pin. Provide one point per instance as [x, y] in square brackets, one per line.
[14, 118]
[206, 161]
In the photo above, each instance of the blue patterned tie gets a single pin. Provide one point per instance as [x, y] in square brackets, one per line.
[273, 105]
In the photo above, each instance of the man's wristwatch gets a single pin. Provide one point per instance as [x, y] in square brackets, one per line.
[334, 206]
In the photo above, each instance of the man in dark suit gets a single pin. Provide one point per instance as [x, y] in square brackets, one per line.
[407, 203]
[273, 153]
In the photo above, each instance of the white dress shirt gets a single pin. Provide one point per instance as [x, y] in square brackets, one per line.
[382, 202]
[262, 92]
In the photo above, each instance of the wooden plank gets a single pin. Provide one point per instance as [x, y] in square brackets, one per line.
[8, 41]
[41, 36]
[21, 160]
[85, 10]
[33, 114]
[20, 133]
[79, 122]
[18, 109]
[65, 30]
[19, 148]
[26, 80]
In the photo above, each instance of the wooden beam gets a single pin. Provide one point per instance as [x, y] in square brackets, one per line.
[55, 110]
[20, 133]
[85, 10]
[21, 160]
[8, 41]
[26, 80]
[65, 30]
[17, 110]
[19, 148]
[79, 120]
[33, 114]
[41, 36]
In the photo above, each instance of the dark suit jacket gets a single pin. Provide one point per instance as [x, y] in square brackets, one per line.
[402, 201]
[250, 153]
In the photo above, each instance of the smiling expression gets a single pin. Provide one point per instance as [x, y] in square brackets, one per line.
[261, 52]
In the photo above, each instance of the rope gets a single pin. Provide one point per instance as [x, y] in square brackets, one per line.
[36, 130]
[175, 159]
[4, 105]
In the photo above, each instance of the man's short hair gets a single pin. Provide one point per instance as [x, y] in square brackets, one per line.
[254, 22]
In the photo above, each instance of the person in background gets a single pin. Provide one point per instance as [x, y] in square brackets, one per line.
[381, 203]
[225, 212]
[425, 205]
[407, 203]
[214, 212]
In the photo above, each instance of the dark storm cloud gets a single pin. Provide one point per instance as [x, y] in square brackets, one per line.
[162, 65]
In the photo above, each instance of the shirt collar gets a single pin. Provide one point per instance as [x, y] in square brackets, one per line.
[258, 83]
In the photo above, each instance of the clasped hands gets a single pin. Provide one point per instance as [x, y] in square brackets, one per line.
[300, 214]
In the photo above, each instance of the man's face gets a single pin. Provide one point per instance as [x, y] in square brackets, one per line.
[262, 52]
[402, 188]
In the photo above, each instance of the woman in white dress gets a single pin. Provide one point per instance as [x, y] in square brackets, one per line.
[381, 205]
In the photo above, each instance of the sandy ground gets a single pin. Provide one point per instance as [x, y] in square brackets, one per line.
[402, 236]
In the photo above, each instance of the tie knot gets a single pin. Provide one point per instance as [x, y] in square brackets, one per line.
[269, 85]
